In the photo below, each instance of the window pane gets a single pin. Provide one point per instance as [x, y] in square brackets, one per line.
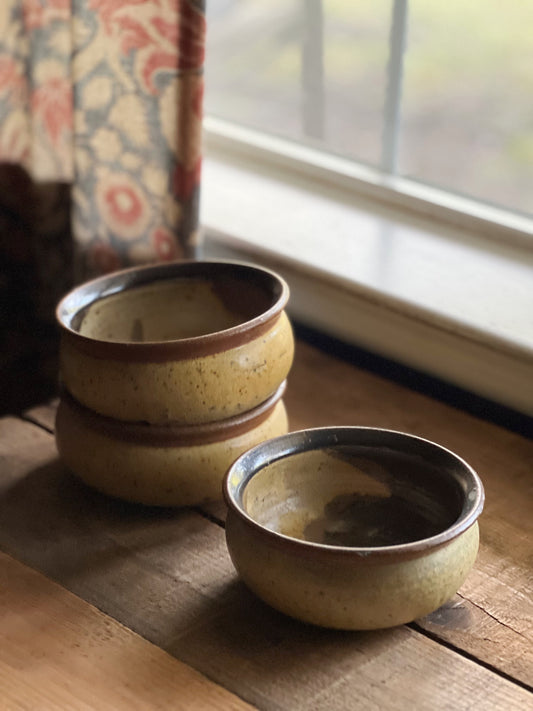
[355, 56]
[466, 123]
[254, 69]
[253, 64]
[467, 120]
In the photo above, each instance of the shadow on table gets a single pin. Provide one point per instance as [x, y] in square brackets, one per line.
[166, 574]
[270, 659]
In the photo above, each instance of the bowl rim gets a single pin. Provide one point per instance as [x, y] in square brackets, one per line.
[172, 434]
[82, 295]
[283, 446]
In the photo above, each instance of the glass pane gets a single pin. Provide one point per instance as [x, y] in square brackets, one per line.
[467, 122]
[355, 56]
[254, 69]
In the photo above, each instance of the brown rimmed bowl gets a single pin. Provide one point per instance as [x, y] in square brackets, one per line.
[352, 527]
[160, 465]
[185, 342]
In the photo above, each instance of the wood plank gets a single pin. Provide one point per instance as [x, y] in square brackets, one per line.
[149, 568]
[167, 576]
[281, 664]
[59, 652]
[493, 617]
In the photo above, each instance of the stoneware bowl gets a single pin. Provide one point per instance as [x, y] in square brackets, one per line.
[352, 527]
[186, 343]
[160, 465]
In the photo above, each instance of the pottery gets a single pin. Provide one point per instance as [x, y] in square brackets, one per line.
[352, 527]
[183, 343]
[160, 465]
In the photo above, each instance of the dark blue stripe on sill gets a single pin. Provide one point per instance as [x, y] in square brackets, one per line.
[420, 382]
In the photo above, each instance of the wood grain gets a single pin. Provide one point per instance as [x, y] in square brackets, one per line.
[148, 568]
[58, 652]
[167, 576]
[493, 616]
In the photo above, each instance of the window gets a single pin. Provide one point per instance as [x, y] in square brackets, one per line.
[379, 155]
[437, 91]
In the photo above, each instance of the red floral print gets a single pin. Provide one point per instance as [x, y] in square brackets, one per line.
[118, 167]
[38, 13]
[168, 30]
[165, 245]
[108, 8]
[168, 36]
[123, 204]
[52, 105]
[157, 62]
[11, 79]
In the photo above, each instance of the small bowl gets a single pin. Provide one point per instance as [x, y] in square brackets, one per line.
[352, 527]
[187, 342]
[160, 465]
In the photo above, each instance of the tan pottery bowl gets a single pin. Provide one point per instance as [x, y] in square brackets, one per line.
[352, 527]
[160, 465]
[187, 342]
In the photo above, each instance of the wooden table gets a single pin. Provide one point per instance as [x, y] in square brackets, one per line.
[105, 605]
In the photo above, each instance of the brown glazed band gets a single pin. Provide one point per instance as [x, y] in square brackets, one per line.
[74, 303]
[320, 437]
[170, 435]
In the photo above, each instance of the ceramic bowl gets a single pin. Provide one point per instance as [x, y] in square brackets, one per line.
[352, 527]
[160, 465]
[186, 343]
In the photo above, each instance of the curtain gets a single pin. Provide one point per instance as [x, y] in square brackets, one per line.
[106, 95]
[100, 143]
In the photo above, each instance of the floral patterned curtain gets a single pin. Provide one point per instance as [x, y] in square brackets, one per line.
[100, 151]
[106, 95]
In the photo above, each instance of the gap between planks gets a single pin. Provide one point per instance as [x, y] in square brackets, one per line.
[131, 564]
[215, 512]
[499, 577]
[59, 651]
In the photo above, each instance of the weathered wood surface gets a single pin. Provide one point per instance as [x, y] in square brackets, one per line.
[167, 575]
[59, 652]
[492, 617]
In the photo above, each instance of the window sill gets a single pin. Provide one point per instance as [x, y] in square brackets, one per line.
[432, 296]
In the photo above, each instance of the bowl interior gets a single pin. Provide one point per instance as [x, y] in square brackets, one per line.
[354, 496]
[157, 305]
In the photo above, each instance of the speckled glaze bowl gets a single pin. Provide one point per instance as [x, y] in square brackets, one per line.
[187, 342]
[160, 465]
[352, 527]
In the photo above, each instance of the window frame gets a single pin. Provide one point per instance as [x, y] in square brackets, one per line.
[406, 195]
[468, 357]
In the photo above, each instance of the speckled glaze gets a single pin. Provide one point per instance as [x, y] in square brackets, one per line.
[160, 465]
[314, 515]
[187, 343]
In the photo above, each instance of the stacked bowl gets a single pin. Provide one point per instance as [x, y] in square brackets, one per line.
[169, 373]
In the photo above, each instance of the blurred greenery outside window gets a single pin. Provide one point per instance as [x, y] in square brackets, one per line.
[455, 77]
